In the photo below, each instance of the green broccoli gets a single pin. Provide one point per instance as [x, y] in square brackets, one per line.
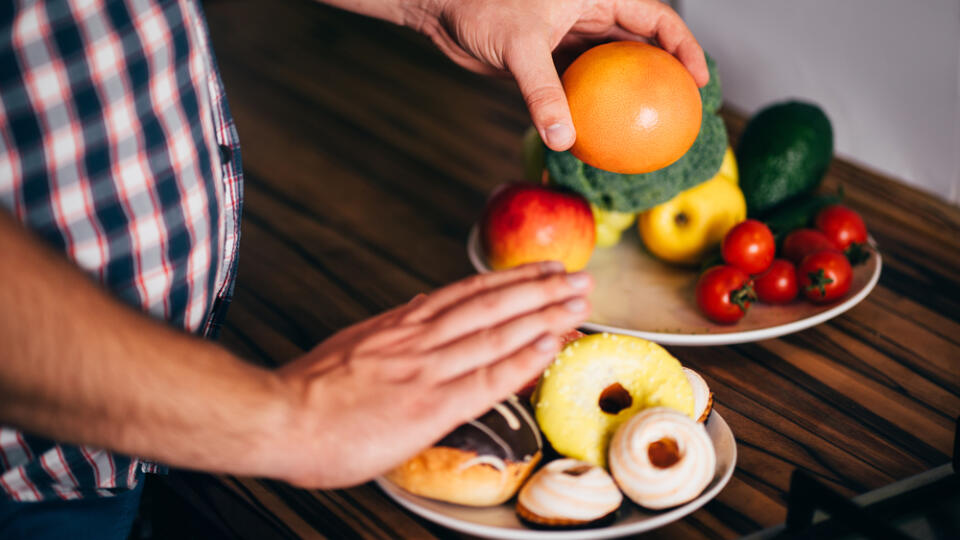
[638, 192]
[711, 95]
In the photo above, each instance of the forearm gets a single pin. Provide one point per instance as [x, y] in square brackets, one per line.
[80, 367]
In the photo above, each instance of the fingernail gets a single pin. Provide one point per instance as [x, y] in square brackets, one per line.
[559, 135]
[546, 343]
[579, 280]
[551, 267]
[575, 305]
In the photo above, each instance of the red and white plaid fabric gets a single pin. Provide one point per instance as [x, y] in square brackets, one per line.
[117, 148]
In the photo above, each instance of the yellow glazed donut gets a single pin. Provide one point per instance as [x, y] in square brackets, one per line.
[661, 458]
[599, 381]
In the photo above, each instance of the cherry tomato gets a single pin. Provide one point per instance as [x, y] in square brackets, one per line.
[824, 276]
[749, 246]
[778, 285]
[803, 242]
[841, 225]
[724, 294]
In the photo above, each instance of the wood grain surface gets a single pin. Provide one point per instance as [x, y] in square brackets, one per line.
[368, 155]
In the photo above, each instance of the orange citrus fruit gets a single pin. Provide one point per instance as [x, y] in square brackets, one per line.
[635, 107]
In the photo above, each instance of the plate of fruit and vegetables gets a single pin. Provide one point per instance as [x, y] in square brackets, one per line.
[617, 438]
[648, 238]
[640, 295]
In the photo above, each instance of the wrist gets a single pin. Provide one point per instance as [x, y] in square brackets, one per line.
[280, 427]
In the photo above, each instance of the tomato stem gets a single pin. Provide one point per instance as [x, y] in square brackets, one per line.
[857, 253]
[819, 281]
[743, 296]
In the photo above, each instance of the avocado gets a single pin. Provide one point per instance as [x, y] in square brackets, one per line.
[784, 152]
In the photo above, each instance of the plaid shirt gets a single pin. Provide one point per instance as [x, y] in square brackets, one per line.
[117, 148]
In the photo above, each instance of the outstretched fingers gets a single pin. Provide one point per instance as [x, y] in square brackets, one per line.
[470, 395]
[487, 346]
[492, 307]
[446, 297]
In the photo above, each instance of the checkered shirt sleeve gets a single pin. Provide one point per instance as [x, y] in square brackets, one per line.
[118, 149]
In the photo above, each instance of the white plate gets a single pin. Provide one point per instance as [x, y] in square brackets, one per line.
[502, 522]
[639, 295]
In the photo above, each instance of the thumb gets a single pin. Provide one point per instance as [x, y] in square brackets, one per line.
[532, 66]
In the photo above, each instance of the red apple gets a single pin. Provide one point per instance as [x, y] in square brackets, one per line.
[525, 223]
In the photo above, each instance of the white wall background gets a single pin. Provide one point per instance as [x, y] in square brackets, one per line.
[887, 72]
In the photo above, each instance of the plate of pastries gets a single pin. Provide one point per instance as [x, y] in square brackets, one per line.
[615, 438]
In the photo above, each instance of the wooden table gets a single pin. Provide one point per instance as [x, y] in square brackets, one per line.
[368, 156]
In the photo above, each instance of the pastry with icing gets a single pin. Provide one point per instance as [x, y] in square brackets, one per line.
[568, 493]
[661, 458]
[480, 463]
[702, 396]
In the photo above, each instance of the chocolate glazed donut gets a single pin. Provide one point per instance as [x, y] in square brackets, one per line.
[480, 463]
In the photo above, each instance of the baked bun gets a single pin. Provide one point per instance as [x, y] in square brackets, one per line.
[480, 463]
[568, 493]
[702, 396]
[661, 458]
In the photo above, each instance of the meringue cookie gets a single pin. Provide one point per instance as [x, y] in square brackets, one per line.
[702, 396]
[661, 458]
[568, 492]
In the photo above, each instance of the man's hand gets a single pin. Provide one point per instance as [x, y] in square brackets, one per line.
[520, 36]
[378, 392]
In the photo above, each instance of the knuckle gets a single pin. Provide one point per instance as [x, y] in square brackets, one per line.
[477, 282]
[375, 341]
[485, 379]
[406, 370]
[413, 312]
[419, 405]
[494, 338]
[673, 31]
[543, 97]
[491, 302]
[556, 316]
[465, 287]
[411, 316]
[558, 286]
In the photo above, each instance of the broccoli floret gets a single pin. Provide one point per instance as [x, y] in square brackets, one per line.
[711, 95]
[638, 192]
